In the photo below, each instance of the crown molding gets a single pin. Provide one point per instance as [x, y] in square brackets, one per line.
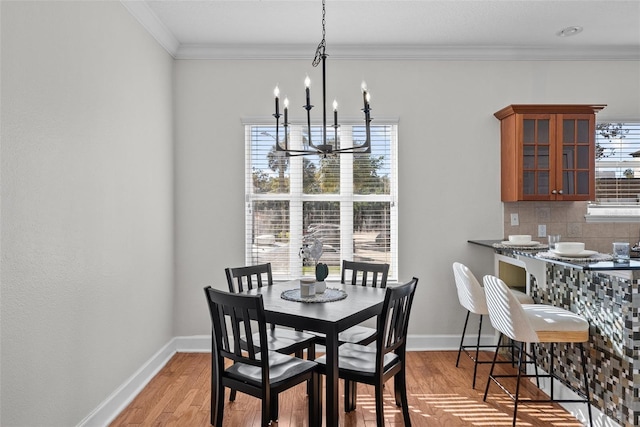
[409, 52]
[150, 22]
[141, 11]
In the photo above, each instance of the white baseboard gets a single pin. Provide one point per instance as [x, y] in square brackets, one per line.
[445, 342]
[108, 410]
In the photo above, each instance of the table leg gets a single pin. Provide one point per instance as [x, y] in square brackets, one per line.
[332, 379]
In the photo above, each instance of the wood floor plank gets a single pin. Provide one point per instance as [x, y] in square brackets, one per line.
[439, 394]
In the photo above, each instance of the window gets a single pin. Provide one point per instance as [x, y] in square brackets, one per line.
[617, 172]
[347, 202]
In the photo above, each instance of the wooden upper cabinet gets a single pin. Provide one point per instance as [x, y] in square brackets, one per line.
[548, 152]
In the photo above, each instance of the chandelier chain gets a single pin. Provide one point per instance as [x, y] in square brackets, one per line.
[321, 47]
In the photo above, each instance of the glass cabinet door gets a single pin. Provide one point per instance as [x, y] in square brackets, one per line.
[575, 156]
[537, 174]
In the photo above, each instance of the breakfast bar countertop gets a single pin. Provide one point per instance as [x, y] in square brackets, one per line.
[607, 294]
[632, 264]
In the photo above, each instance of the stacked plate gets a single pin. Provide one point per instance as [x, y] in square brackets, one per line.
[571, 250]
[520, 240]
[529, 243]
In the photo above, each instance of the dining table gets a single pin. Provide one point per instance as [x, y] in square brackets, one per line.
[330, 318]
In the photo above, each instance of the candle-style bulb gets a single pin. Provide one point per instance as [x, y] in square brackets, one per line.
[368, 97]
[286, 112]
[365, 95]
[276, 91]
[335, 105]
[307, 83]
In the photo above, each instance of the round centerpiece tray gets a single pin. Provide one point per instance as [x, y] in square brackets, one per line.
[533, 245]
[329, 295]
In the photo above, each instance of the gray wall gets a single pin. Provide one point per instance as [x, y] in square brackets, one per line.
[87, 206]
[449, 158]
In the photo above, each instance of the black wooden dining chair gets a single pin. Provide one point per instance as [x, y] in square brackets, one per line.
[361, 274]
[256, 370]
[364, 273]
[285, 341]
[375, 365]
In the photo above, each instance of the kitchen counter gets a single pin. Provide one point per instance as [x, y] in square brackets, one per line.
[632, 264]
[607, 294]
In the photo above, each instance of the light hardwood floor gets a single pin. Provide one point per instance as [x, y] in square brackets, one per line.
[440, 395]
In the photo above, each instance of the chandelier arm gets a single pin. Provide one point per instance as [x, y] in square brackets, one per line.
[363, 148]
[297, 153]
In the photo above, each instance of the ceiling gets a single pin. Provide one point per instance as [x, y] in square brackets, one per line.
[393, 29]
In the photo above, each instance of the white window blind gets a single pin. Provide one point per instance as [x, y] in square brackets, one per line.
[348, 202]
[617, 170]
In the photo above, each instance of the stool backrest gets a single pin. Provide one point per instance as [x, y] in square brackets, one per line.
[506, 313]
[470, 294]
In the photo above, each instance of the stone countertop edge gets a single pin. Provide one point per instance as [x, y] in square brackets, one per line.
[596, 266]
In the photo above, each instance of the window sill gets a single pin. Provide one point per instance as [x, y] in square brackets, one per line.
[613, 214]
[612, 218]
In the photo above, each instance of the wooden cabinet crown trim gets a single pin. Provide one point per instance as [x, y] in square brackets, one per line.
[546, 108]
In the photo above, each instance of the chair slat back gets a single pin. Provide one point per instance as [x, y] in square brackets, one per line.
[242, 279]
[364, 273]
[231, 318]
[393, 322]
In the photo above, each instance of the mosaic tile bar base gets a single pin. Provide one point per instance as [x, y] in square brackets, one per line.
[612, 306]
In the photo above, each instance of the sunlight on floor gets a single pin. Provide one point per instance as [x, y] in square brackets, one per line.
[478, 412]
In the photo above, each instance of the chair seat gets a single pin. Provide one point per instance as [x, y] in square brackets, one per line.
[359, 358]
[357, 334]
[555, 324]
[281, 368]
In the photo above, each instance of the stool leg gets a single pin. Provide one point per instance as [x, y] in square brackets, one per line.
[493, 365]
[532, 350]
[466, 320]
[586, 382]
[475, 364]
[515, 402]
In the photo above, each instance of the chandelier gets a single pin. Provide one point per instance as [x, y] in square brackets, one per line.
[323, 148]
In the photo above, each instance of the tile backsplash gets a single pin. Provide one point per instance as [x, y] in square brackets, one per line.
[567, 219]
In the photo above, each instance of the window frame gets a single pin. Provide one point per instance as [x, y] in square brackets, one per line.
[604, 212]
[345, 197]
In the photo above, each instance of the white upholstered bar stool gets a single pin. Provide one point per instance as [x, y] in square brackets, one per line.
[534, 323]
[472, 297]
